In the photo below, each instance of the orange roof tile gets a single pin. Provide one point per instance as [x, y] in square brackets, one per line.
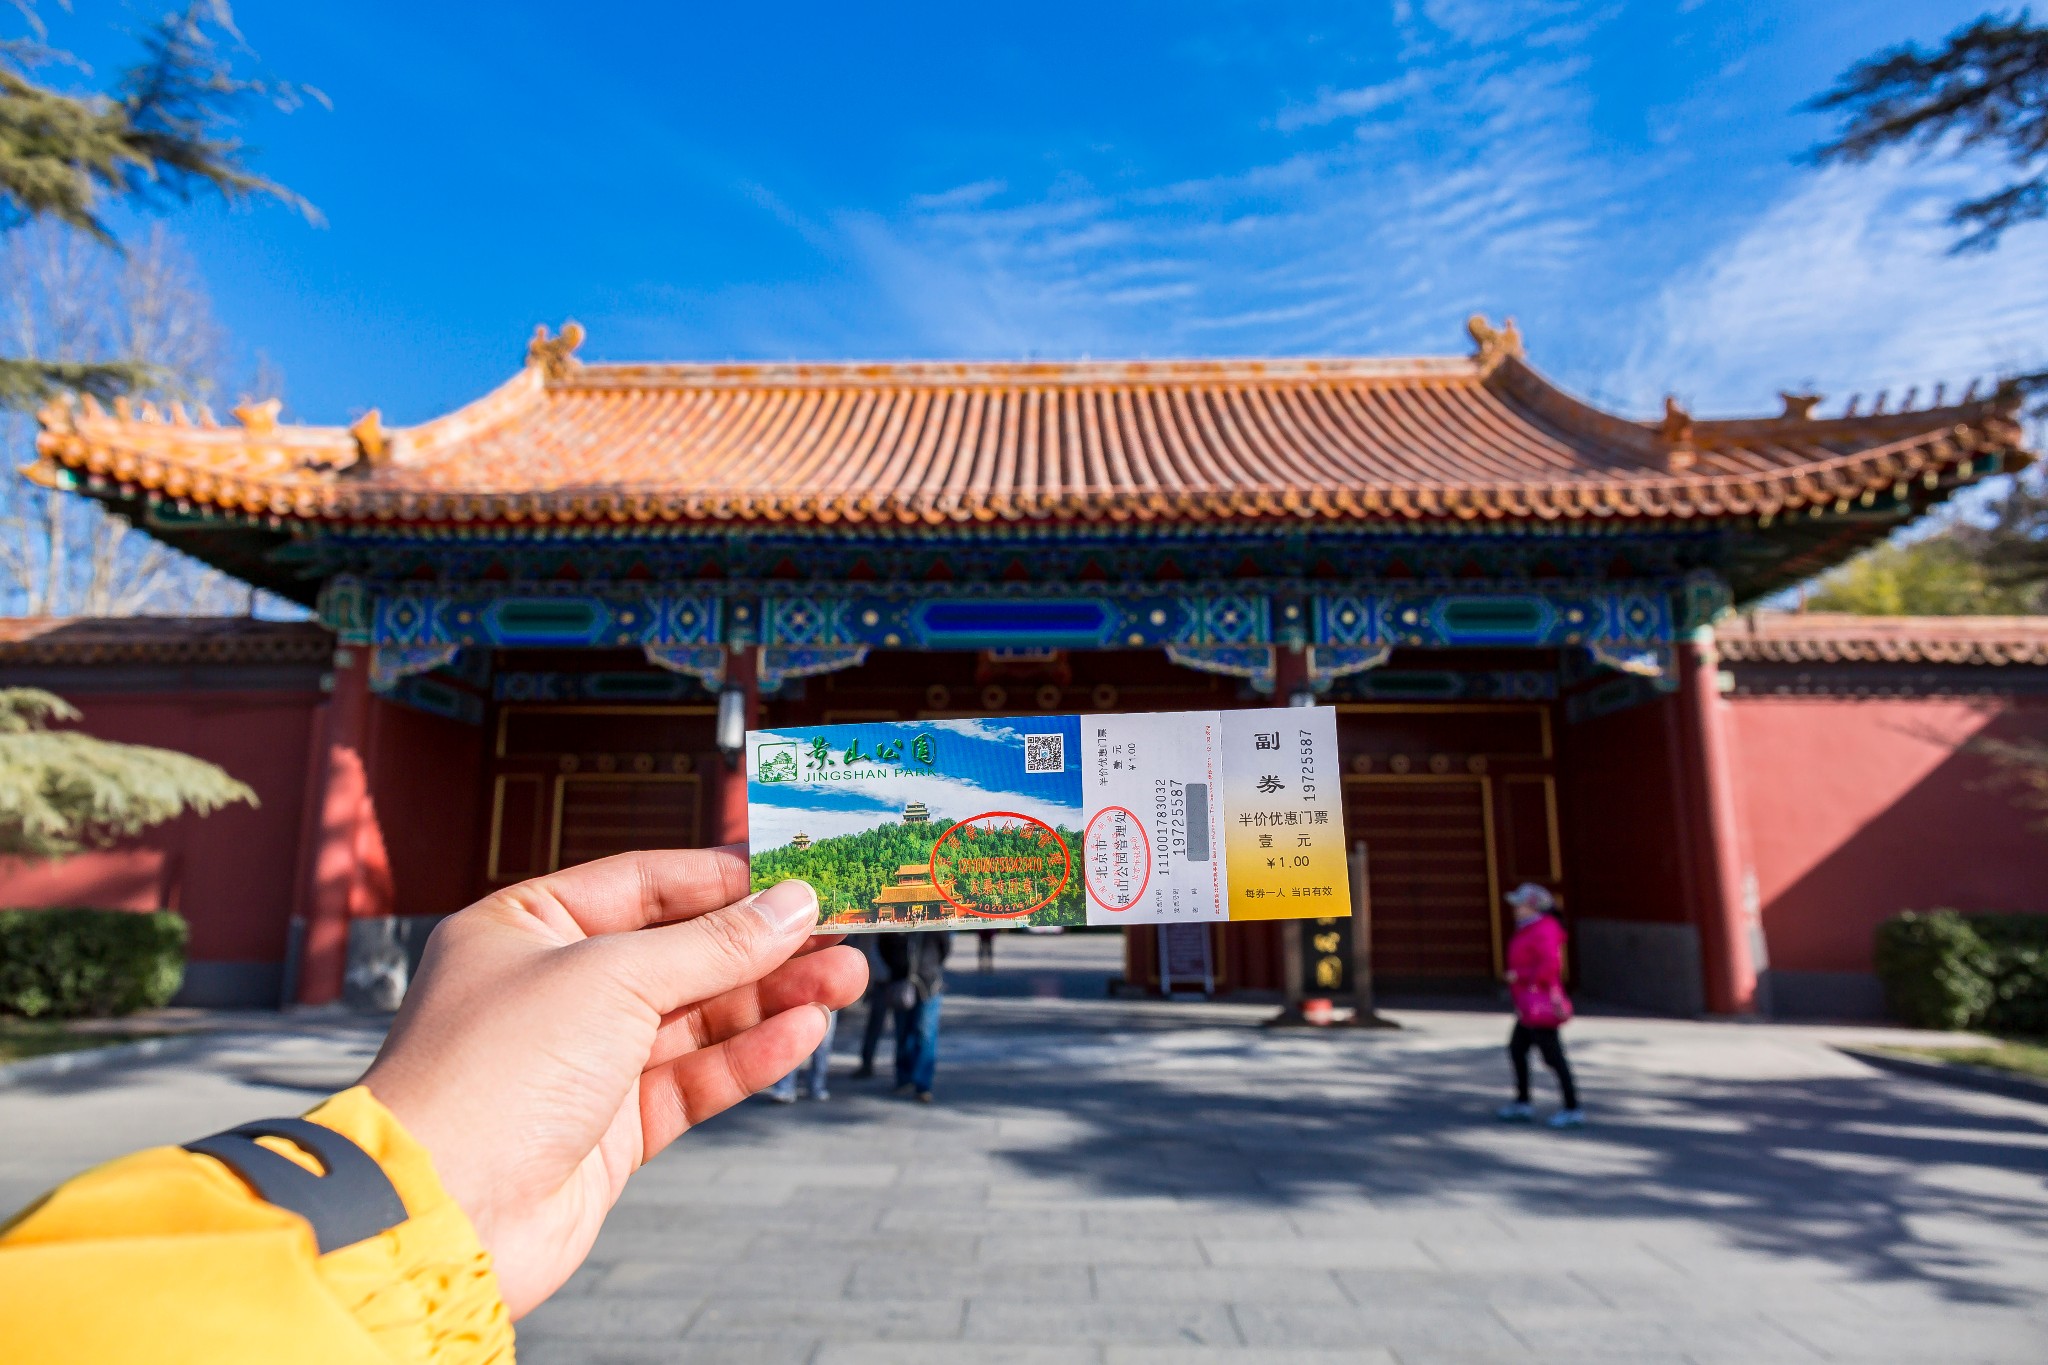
[48, 640]
[1839, 637]
[565, 443]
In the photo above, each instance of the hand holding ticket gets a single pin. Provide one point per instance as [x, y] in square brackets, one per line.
[1181, 817]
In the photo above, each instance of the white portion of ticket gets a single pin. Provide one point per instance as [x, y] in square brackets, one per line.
[1152, 851]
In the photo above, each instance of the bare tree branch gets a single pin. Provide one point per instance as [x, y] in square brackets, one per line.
[65, 296]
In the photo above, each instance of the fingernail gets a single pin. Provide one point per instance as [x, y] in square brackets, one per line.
[787, 907]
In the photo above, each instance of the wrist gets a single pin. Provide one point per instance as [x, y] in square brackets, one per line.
[438, 1150]
[430, 1281]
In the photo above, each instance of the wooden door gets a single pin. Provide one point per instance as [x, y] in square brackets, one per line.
[573, 783]
[599, 814]
[1434, 880]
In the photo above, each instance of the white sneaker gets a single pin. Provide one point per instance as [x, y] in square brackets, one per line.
[1568, 1118]
[1518, 1112]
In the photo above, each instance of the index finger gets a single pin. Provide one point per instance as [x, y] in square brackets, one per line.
[630, 891]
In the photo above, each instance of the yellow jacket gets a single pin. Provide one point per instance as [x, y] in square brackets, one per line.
[166, 1256]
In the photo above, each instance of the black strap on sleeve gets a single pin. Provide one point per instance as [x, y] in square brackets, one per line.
[352, 1201]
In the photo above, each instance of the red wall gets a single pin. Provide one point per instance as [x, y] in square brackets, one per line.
[235, 875]
[424, 788]
[232, 874]
[1624, 815]
[1854, 810]
[1850, 811]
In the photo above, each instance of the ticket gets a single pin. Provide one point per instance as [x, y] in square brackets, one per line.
[1159, 818]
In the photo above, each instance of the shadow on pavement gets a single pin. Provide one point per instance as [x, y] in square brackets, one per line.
[1860, 1174]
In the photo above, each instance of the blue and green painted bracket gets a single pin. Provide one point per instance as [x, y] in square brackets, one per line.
[689, 629]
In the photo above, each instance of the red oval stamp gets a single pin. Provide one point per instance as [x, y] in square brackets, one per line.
[1110, 856]
[1001, 865]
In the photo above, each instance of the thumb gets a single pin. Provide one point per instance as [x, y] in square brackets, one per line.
[674, 965]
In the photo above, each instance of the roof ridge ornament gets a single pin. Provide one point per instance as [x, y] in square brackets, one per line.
[60, 410]
[1799, 406]
[372, 441]
[260, 419]
[555, 355]
[1495, 343]
[1676, 429]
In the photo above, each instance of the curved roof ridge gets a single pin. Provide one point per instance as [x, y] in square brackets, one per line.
[1844, 637]
[1231, 440]
[603, 375]
[521, 393]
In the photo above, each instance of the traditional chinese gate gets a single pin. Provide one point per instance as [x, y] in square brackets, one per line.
[572, 782]
[1454, 802]
[1351, 529]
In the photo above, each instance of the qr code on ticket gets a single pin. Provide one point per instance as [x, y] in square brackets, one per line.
[1045, 753]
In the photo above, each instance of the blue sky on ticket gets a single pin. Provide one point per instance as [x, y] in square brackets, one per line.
[1153, 178]
[977, 766]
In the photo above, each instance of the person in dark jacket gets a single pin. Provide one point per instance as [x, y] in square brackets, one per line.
[877, 1003]
[917, 983]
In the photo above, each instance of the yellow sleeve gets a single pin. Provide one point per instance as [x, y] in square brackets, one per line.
[166, 1256]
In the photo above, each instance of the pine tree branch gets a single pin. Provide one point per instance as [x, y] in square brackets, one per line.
[1987, 85]
[62, 791]
[177, 104]
[26, 385]
[1989, 217]
[165, 132]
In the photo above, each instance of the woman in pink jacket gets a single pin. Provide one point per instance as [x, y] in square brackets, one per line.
[1536, 981]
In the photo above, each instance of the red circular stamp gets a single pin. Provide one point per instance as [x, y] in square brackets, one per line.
[1112, 848]
[1001, 865]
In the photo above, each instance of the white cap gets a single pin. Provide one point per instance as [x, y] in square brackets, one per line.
[1533, 896]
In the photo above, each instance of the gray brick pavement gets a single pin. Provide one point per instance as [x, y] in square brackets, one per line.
[1138, 1184]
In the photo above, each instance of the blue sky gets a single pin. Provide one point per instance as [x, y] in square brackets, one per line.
[1190, 177]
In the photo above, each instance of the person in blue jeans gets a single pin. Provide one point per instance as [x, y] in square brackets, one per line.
[877, 999]
[815, 1071]
[917, 985]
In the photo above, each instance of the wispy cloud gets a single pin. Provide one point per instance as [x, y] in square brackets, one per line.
[1361, 102]
[1538, 22]
[1453, 187]
[1845, 284]
[1490, 156]
[959, 197]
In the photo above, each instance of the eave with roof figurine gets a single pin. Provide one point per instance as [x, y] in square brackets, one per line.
[1216, 509]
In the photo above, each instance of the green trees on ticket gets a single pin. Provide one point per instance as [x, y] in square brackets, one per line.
[850, 871]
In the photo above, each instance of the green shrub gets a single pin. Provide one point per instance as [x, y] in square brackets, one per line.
[1944, 970]
[1935, 969]
[2019, 976]
[70, 964]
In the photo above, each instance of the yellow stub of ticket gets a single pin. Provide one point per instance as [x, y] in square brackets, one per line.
[1160, 818]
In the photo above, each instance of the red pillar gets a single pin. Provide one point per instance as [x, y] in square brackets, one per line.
[345, 871]
[731, 826]
[1722, 917]
[1290, 673]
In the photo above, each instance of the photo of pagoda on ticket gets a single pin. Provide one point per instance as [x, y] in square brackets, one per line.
[1054, 820]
